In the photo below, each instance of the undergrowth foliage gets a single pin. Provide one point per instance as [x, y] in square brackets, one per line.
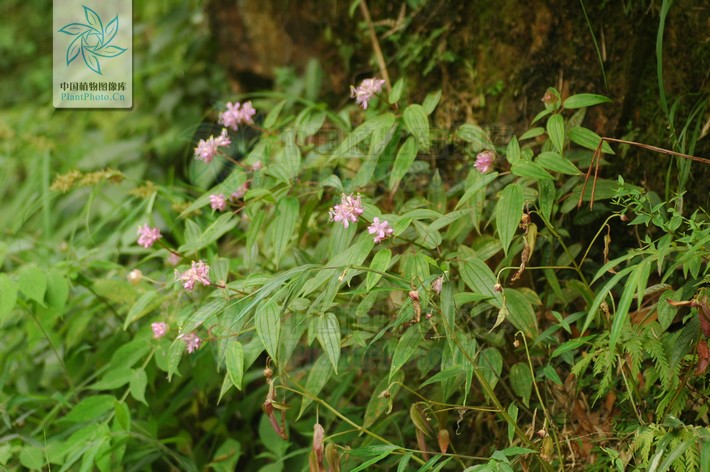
[359, 301]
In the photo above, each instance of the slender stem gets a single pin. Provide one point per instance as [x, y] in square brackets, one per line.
[375, 44]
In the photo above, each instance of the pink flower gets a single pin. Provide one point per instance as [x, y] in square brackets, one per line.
[256, 166]
[173, 259]
[381, 229]
[192, 342]
[159, 329]
[437, 283]
[148, 236]
[206, 150]
[218, 202]
[365, 91]
[199, 272]
[484, 161]
[240, 192]
[349, 209]
[234, 116]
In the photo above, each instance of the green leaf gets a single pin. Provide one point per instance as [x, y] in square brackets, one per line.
[32, 457]
[546, 197]
[268, 326]
[405, 348]
[226, 457]
[431, 101]
[476, 136]
[621, 313]
[203, 313]
[480, 184]
[417, 123]
[480, 278]
[32, 282]
[57, 289]
[666, 311]
[405, 157]
[490, 364]
[512, 152]
[380, 263]
[234, 360]
[175, 352]
[556, 132]
[588, 139]
[212, 233]
[308, 123]
[90, 409]
[551, 374]
[378, 402]
[138, 384]
[328, 335]
[284, 224]
[273, 115]
[360, 133]
[532, 133]
[523, 168]
[582, 100]
[8, 296]
[144, 305]
[556, 163]
[114, 378]
[318, 375]
[509, 211]
[450, 373]
[521, 381]
[396, 92]
[520, 312]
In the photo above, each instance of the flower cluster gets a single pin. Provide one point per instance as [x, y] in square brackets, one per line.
[240, 192]
[218, 202]
[381, 229]
[206, 150]
[147, 236]
[236, 114]
[199, 272]
[159, 329]
[347, 212]
[484, 161]
[364, 92]
[192, 342]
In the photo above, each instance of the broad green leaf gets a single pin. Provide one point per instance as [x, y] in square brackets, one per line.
[205, 312]
[405, 157]
[328, 335]
[431, 101]
[512, 152]
[318, 375]
[523, 168]
[365, 465]
[602, 294]
[268, 326]
[417, 123]
[397, 90]
[585, 100]
[520, 312]
[175, 352]
[138, 384]
[379, 141]
[476, 136]
[556, 163]
[532, 133]
[32, 457]
[90, 409]
[509, 211]
[480, 184]
[284, 224]
[32, 282]
[360, 133]
[521, 381]
[480, 278]
[490, 364]
[273, 115]
[309, 122]
[380, 263]
[546, 197]
[406, 346]
[450, 373]
[234, 359]
[588, 139]
[666, 311]
[114, 378]
[621, 313]
[226, 457]
[212, 233]
[378, 402]
[571, 345]
[57, 289]
[556, 131]
[290, 160]
[513, 412]
[144, 305]
[8, 296]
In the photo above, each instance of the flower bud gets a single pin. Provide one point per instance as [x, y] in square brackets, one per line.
[135, 276]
